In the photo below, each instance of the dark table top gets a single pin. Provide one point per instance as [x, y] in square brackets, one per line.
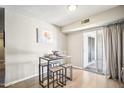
[51, 59]
[56, 58]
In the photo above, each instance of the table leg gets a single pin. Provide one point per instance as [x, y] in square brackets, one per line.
[71, 73]
[39, 72]
[48, 75]
[65, 75]
[42, 75]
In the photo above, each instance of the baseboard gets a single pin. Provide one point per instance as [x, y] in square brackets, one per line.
[77, 67]
[16, 81]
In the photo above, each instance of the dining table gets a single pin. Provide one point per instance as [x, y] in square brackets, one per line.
[48, 61]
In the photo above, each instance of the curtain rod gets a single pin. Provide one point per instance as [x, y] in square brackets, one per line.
[115, 22]
[107, 24]
[101, 26]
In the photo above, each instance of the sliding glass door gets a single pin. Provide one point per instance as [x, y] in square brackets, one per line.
[93, 51]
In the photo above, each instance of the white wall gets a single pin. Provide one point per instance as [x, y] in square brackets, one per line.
[97, 20]
[21, 50]
[75, 48]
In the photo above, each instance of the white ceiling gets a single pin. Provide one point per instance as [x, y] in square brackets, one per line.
[58, 14]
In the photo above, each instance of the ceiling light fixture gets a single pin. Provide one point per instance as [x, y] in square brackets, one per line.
[72, 8]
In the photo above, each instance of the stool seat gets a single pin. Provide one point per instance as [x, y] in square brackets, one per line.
[54, 69]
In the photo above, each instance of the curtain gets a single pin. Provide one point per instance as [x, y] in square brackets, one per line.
[113, 44]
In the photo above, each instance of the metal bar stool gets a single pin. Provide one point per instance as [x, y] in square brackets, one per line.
[58, 73]
[43, 66]
[66, 67]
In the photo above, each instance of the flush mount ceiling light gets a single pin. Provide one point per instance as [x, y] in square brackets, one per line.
[72, 8]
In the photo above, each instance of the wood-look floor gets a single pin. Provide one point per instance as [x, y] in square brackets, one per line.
[81, 79]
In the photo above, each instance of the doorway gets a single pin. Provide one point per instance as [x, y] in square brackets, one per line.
[93, 51]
